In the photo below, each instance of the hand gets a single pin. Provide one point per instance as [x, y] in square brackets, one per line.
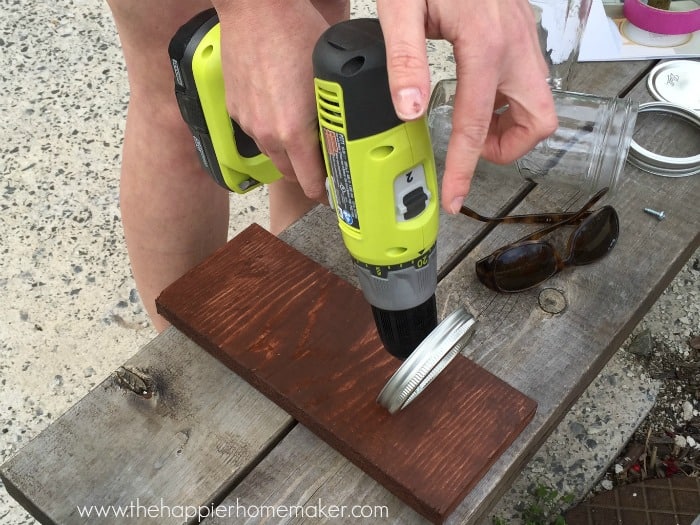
[498, 62]
[266, 58]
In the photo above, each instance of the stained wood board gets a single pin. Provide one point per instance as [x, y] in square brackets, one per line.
[307, 340]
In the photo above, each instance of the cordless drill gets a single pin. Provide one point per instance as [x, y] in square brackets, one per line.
[383, 184]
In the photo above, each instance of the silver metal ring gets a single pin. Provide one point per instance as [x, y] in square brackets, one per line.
[426, 362]
[660, 164]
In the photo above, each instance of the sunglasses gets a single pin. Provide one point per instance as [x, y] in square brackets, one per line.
[529, 261]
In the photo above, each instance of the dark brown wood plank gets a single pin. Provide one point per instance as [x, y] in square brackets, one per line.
[307, 340]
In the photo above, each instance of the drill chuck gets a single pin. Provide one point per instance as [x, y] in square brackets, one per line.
[401, 331]
[403, 302]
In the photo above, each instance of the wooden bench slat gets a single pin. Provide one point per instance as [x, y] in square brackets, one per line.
[305, 476]
[200, 429]
[554, 357]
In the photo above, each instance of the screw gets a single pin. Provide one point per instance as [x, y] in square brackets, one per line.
[658, 214]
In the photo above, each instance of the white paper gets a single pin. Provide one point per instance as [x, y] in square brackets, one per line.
[604, 38]
[601, 39]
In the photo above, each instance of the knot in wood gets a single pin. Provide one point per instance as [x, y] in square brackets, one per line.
[134, 380]
[552, 301]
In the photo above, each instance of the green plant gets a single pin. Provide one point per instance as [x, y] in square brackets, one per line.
[544, 509]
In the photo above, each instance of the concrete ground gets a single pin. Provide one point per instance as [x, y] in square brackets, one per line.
[71, 313]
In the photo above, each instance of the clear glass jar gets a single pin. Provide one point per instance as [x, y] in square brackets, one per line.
[588, 149]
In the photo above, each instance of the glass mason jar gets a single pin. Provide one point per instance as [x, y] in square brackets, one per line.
[588, 149]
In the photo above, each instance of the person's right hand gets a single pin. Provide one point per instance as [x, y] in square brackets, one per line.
[266, 58]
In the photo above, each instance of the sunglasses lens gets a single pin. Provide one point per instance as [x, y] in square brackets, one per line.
[524, 266]
[595, 237]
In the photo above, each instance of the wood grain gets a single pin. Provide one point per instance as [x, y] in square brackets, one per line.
[307, 340]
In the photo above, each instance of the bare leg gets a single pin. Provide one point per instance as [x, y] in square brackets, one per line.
[174, 215]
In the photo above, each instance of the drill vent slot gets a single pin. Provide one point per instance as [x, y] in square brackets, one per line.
[330, 111]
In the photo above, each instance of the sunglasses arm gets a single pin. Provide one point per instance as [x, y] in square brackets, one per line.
[535, 218]
[574, 219]
[555, 219]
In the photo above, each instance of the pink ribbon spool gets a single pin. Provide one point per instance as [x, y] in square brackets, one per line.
[661, 21]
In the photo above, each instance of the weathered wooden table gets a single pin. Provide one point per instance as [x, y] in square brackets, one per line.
[207, 437]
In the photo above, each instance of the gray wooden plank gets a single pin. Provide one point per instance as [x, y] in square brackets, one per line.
[608, 79]
[198, 431]
[310, 478]
[553, 358]
[652, 254]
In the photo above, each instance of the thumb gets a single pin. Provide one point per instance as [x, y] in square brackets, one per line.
[403, 25]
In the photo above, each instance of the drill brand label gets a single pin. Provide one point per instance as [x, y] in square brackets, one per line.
[337, 154]
[178, 75]
[200, 150]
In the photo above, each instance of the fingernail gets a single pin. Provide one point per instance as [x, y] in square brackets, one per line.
[410, 104]
[457, 204]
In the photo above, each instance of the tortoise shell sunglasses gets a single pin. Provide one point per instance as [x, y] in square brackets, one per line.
[530, 261]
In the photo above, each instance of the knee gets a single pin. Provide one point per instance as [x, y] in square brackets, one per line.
[145, 33]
